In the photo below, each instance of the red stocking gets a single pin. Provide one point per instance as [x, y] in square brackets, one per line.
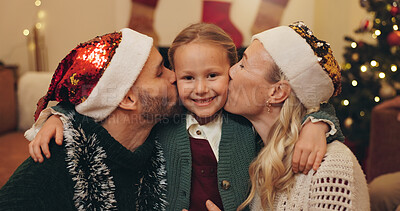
[217, 12]
[150, 3]
[269, 15]
[142, 18]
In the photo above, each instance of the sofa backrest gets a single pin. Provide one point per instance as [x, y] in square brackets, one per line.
[8, 101]
[31, 87]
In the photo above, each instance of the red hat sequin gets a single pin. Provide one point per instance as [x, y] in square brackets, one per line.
[121, 54]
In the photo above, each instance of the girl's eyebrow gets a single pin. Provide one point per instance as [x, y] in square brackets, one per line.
[185, 72]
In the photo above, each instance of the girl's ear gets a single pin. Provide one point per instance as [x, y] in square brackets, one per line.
[130, 101]
[280, 92]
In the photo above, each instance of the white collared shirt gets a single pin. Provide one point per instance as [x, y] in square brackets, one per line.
[210, 131]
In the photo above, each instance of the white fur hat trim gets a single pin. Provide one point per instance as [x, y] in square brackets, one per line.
[123, 70]
[295, 57]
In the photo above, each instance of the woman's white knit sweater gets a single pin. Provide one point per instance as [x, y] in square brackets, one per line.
[338, 184]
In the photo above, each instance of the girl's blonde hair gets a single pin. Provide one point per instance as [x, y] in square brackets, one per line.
[204, 33]
[271, 171]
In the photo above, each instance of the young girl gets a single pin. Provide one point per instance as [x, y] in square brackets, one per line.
[208, 150]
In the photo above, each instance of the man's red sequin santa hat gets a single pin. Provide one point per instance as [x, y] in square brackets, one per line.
[96, 75]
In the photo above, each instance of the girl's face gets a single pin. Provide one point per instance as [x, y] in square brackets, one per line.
[248, 88]
[202, 77]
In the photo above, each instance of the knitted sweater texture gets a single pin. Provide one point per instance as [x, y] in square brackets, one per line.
[91, 171]
[236, 150]
[338, 184]
[238, 147]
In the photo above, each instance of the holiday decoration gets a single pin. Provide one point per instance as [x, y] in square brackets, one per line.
[355, 57]
[365, 25]
[36, 45]
[387, 91]
[364, 3]
[348, 122]
[217, 12]
[370, 73]
[393, 39]
[394, 10]
[142, 18]
[269, 15]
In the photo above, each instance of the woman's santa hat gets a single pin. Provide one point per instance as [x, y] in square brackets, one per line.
[306, 61]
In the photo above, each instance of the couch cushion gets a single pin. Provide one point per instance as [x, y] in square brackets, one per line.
[8, 104]
[31, 87]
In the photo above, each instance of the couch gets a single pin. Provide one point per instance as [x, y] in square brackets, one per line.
[384, 144]
[18, 99]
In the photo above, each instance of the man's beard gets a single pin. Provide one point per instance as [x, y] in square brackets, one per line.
[157, 108]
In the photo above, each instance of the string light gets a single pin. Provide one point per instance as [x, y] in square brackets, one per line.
[377, 32]
[362, 113]
[382, 75]
[353, 45]
[26, 32]
[354, 83]
[345, 102]
[395, 27]
[41, 14]
[374, 63]
[377, 99]
[363, 68]
[348, 122]
[38, 25]
[347, 66]
[393, 68]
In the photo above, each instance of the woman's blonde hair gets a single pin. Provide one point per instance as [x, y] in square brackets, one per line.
[271, 171]
[204, 33]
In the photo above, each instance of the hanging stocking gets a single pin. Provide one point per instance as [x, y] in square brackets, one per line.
[142, 18]
[217, 12]
[269, 15]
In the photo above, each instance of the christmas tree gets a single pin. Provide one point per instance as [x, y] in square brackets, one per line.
[371, 70]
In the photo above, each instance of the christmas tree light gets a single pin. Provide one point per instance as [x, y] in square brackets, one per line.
[369, 73]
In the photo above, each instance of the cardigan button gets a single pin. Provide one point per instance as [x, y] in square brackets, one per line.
[183, 193]
[225, 184]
